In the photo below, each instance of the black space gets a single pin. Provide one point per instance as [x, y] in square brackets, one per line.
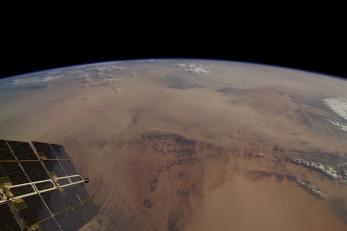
[28, 50]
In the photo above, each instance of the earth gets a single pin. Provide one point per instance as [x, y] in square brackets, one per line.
[193, 144]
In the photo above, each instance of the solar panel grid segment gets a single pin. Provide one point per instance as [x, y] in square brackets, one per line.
[59, 151]
[70, 195]
[44, 150]
[87, 211]
[76, 178]
[13, 173]
[35, 170]
[79, 211]
[54, 167]
[49, 225]
[5, 151]
[63, 181]
[67, 220]
[55, 200]
[44, 185]
[68, 167]
[82, 192]
[22, 190]
[7, 219]
[22, 150]
[68, 210]
[34, 210]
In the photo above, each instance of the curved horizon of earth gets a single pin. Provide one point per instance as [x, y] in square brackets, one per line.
[180, 144]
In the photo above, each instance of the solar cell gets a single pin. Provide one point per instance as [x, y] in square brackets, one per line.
[22, 190]
[67, 220]
[11, 172]
[59, 151]
[49, 225]
[54, 168]
[44, 185]
[5, 151]
[82, 192]
[68, 167]
[70, 195]
[63, 181]
[79, 211]
[76, 178]
[35, 170]
[55, 200]
[34, 210]
[87, 211]
[44, 150]
[7, 219]
[22, 150]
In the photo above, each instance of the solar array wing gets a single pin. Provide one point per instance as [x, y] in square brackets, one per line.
[40, 189]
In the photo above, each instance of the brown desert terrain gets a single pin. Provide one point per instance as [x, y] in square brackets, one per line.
[166, 149]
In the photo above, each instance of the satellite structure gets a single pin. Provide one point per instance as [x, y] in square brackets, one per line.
[40, 189]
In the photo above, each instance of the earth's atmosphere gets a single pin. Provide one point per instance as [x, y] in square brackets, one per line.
[193, 144]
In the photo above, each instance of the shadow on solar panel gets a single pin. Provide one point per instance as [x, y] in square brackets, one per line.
[40, 189]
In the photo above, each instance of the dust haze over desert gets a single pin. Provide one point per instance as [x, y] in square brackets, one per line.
[193, 144]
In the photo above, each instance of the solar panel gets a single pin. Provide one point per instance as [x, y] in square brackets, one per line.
[12, 173]
[7, 220]
[63, 181]
[22, 190]
[71, 196]
[44, 150]
[67, 220]
[54, 168]
[49, 225]
[87, 211]
[33, 210]
[81, 211]
[59, 151]
[68, 167]
[76, 178]
[82, 192]
[43, 193]
[22, 150]
[44, 185]
[35, 170]
[55, 200]
[5, 151]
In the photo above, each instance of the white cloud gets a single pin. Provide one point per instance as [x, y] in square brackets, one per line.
[338, 124]
[194, 68]
[338, 105]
